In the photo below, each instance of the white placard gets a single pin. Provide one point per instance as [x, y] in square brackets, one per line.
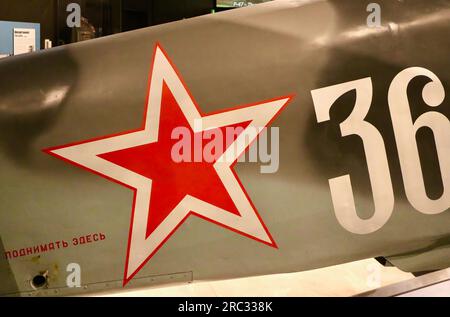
[24, 40]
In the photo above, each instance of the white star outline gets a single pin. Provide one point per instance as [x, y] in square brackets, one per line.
[142, 248]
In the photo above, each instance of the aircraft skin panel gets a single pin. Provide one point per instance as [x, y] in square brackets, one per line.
[248, 56]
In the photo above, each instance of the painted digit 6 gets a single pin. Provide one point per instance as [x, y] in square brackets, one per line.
[405, 136]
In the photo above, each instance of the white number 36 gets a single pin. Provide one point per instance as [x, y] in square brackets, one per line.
[405, 136]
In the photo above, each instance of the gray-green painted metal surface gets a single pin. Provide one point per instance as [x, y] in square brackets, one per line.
[96, 88]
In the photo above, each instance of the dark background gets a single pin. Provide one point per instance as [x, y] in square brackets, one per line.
[107, 16]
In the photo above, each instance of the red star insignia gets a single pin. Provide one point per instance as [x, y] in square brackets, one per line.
[167, 192]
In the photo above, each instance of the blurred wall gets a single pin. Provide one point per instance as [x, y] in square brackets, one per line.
[107, 16]
[36, 11]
